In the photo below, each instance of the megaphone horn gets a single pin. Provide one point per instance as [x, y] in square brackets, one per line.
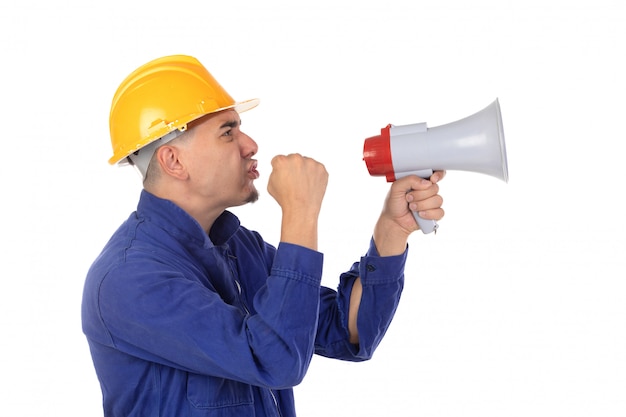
[475, 143]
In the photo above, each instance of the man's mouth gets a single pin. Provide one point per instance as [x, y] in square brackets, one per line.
[252, 172]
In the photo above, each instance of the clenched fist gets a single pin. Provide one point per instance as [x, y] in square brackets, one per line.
[298, 185]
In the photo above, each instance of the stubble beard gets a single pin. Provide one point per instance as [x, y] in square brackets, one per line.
[253, 196]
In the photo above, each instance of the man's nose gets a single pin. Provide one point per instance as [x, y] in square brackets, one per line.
[249, 147]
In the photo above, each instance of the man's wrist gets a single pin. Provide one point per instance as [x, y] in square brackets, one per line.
[390, 238]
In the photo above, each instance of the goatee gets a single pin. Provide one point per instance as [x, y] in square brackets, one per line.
[253, 196]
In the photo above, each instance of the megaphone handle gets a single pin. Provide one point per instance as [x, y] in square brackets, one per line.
[426, 226]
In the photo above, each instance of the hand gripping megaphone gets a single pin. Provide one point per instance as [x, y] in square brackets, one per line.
[475, 143]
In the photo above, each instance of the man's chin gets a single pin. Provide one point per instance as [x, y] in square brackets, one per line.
[252, 197]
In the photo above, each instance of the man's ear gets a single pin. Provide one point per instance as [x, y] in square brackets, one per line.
[169, 158]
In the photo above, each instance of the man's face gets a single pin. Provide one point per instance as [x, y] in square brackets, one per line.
[219, 161]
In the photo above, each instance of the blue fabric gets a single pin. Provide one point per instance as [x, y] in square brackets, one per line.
[184, 324]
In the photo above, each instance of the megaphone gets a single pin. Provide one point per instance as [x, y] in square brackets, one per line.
[475, 143]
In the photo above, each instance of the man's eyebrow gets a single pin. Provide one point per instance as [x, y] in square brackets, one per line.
[231, 123]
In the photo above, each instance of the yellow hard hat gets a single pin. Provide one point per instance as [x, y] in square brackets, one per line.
[161, 97]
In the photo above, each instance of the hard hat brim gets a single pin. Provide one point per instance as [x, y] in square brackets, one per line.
[243, 106]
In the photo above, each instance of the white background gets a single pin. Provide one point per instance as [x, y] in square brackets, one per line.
[515, 308]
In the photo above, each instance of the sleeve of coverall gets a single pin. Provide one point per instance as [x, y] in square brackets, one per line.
[382, 279]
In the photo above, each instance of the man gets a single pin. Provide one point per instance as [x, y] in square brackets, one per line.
[188, 313]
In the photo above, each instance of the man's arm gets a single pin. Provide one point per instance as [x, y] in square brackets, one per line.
[395, 225]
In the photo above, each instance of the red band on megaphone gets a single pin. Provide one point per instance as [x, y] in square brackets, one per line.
[377, 155]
